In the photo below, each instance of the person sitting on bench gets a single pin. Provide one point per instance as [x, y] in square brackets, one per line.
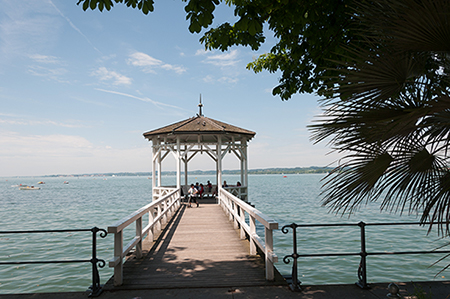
[193, 194]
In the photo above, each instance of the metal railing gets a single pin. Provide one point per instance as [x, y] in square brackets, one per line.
[96, 287]
[362, 273]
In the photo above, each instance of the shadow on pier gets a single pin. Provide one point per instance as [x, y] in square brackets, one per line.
[199, 248]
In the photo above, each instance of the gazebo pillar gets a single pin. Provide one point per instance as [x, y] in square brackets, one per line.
[244, 163]
[154, 157]
[186, 183]
[179, 158]
[219, 163]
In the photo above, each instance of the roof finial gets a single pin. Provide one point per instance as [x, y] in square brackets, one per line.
[200, 106]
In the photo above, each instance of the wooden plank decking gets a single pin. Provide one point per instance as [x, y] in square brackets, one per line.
[198, 248]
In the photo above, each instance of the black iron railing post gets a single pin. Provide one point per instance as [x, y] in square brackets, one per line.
[96, 287]
[295, 284]
[362, 270]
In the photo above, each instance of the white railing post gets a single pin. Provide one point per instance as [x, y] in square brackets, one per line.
[237, 210]
[158, 223]
[252, 233]
[269, 251]
[242, 226]
[139, 235]
[158, 212]
[164, 207]
[151, 235]
[118, 268]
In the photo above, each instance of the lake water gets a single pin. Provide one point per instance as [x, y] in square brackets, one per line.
[94, 201]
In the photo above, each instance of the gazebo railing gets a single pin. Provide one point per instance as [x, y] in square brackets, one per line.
[161, 191]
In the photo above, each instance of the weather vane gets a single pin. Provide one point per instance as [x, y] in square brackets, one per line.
[200, 106]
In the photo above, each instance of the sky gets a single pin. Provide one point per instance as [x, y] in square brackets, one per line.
[79, 88]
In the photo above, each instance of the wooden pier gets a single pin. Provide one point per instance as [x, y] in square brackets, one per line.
[199, 247]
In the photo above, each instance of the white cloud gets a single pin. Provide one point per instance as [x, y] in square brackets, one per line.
[44, 59]
[144, 99]
[29, 26]
[224, 79]
[15, 144]
[51, 73]
[176, 69]
[149, 64]
[228, 80]
[223, 60]
[105, 75]
[201, 52]
[66, 154]
[73, 26]
[23, 122]
[48, 154]
[208, 79]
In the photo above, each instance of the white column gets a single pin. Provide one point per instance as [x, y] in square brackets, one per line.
[154, 153]
[242, 158]
[186, 168]
[159, 164]
[219, 163]
[178, 163]
[245, 158]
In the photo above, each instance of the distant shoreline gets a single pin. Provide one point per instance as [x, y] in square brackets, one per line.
[295, 170]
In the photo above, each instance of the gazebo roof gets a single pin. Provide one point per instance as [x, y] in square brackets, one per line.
[199, 127]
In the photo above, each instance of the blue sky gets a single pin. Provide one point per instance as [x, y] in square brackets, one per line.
[78, 89]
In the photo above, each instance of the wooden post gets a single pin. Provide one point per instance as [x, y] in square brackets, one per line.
[269, 251]
[164, 217]
[219, 162]
[139, 235]
[178, 163]
[242, 235]
[158, 224]
[252, 232]
[151, 235]
[118, 249]
[154, 157]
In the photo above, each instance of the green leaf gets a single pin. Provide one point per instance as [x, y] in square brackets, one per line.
[251, 27]
[93, 4]
[86, 5]
[195, 26]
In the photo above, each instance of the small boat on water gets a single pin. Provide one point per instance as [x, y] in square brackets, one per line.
[41, 182]
[19, 185]
[28, 188]
[66, 182]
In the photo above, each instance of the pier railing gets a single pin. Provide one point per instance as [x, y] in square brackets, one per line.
[159, 213]
[95, 288]
[363, 253]
[161, 191]
[238, 211]
[238, 191]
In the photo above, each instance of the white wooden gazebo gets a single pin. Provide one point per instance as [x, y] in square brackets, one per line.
[198, 135]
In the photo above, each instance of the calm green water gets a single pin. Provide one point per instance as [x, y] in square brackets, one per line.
[88, 202]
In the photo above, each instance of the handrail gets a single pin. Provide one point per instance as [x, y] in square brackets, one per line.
[161, 191]
[238, 191]
[96, 288]
[159, 211]
[362, 272]
[237, 210]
